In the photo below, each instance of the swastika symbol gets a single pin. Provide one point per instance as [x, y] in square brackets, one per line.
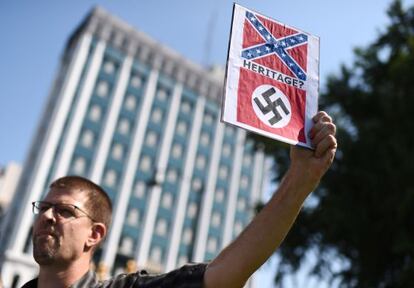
[271, 106]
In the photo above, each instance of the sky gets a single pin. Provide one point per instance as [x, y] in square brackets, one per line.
[34, 33]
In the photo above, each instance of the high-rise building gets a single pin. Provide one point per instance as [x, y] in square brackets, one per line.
[9, 177]
[143, 122]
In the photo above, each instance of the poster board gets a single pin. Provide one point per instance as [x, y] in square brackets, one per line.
[272, 78]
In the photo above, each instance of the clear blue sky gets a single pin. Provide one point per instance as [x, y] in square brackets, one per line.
[33, 34]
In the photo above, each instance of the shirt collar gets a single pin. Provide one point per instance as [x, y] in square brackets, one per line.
[87, 280]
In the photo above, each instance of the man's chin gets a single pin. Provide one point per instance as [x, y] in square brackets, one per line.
[44, 250]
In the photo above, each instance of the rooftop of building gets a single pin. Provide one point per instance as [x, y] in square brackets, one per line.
[139, 45]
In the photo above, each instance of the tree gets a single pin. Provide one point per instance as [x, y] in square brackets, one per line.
[362, 213]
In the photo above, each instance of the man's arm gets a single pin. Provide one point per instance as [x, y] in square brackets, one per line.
[236, 263]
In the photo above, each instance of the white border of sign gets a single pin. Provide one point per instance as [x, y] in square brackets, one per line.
[235, 62]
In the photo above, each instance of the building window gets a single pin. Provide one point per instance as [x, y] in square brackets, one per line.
[156, 115]
[110, 178]
[109, 67]
[102, 88]
[241, 204]
[95, 113]
[151, 139]
[182, 128]
[161, 227]
[87, 138]
[182, 260]
[79, 165]
[192, 210]
[197, 184]
[136, 81]
[156, 254]
[238, 227]
[117, 151]
[216, 219]
[124, 126]
[219, 195]
[167, 200]
[201, 162]
[187, 236]
[139, 190]
[133, 217]
[226, 150]
[162, 94]
[145, 165]
[172, 176]
[212, 244]
[127, 244]
[208, 119]
[186, 107]
[247, 160]
[15, 281]
[244, 182]
[177, 150]
[249, 143]
[205, 139]
[223, 172]
[130, 102]
[229, 131]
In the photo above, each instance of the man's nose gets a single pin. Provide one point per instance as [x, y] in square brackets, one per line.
[48, 214]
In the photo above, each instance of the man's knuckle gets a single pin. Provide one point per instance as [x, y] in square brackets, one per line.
[331, 127]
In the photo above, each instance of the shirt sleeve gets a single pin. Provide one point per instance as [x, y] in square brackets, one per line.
[188, 276]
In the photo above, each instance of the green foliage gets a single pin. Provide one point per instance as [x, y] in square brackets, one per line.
[364, 219]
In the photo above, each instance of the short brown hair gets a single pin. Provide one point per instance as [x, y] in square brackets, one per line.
[98, 204]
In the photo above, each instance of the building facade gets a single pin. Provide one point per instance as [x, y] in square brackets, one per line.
[9, 177]
[143, 122]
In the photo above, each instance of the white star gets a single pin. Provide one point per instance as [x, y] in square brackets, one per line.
[252, 19]
[290, 64]
[260, 28]
[267, 48]
[283, 43]
[258, 51]
[268, 37]
[283, 55]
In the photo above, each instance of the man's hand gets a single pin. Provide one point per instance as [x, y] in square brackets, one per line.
[311, 165]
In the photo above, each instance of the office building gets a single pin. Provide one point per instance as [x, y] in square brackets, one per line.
[9, 177]
[144, 122]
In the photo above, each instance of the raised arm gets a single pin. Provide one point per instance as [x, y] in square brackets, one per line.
[236, 263]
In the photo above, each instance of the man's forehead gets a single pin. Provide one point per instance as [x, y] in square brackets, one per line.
[66, 194]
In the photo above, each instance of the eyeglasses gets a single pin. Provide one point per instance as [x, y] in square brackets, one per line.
[61, 210]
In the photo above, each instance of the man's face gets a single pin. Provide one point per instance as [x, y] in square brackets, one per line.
[61, 237]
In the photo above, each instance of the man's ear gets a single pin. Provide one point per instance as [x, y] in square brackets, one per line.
[97, 234]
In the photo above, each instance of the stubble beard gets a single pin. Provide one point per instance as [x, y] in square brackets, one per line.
[45, 248]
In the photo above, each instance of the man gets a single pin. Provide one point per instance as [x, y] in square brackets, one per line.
[74, 217]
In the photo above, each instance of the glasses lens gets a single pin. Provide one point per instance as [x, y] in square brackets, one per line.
[40, 207]
[65, 210]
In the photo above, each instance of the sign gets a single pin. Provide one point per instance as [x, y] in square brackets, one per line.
[272, 78]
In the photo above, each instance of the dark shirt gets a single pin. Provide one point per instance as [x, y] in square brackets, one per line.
[188, 276]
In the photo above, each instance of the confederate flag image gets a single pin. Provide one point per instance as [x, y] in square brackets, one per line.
[272, 78]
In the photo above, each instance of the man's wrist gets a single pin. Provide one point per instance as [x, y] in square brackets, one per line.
[303, 180]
